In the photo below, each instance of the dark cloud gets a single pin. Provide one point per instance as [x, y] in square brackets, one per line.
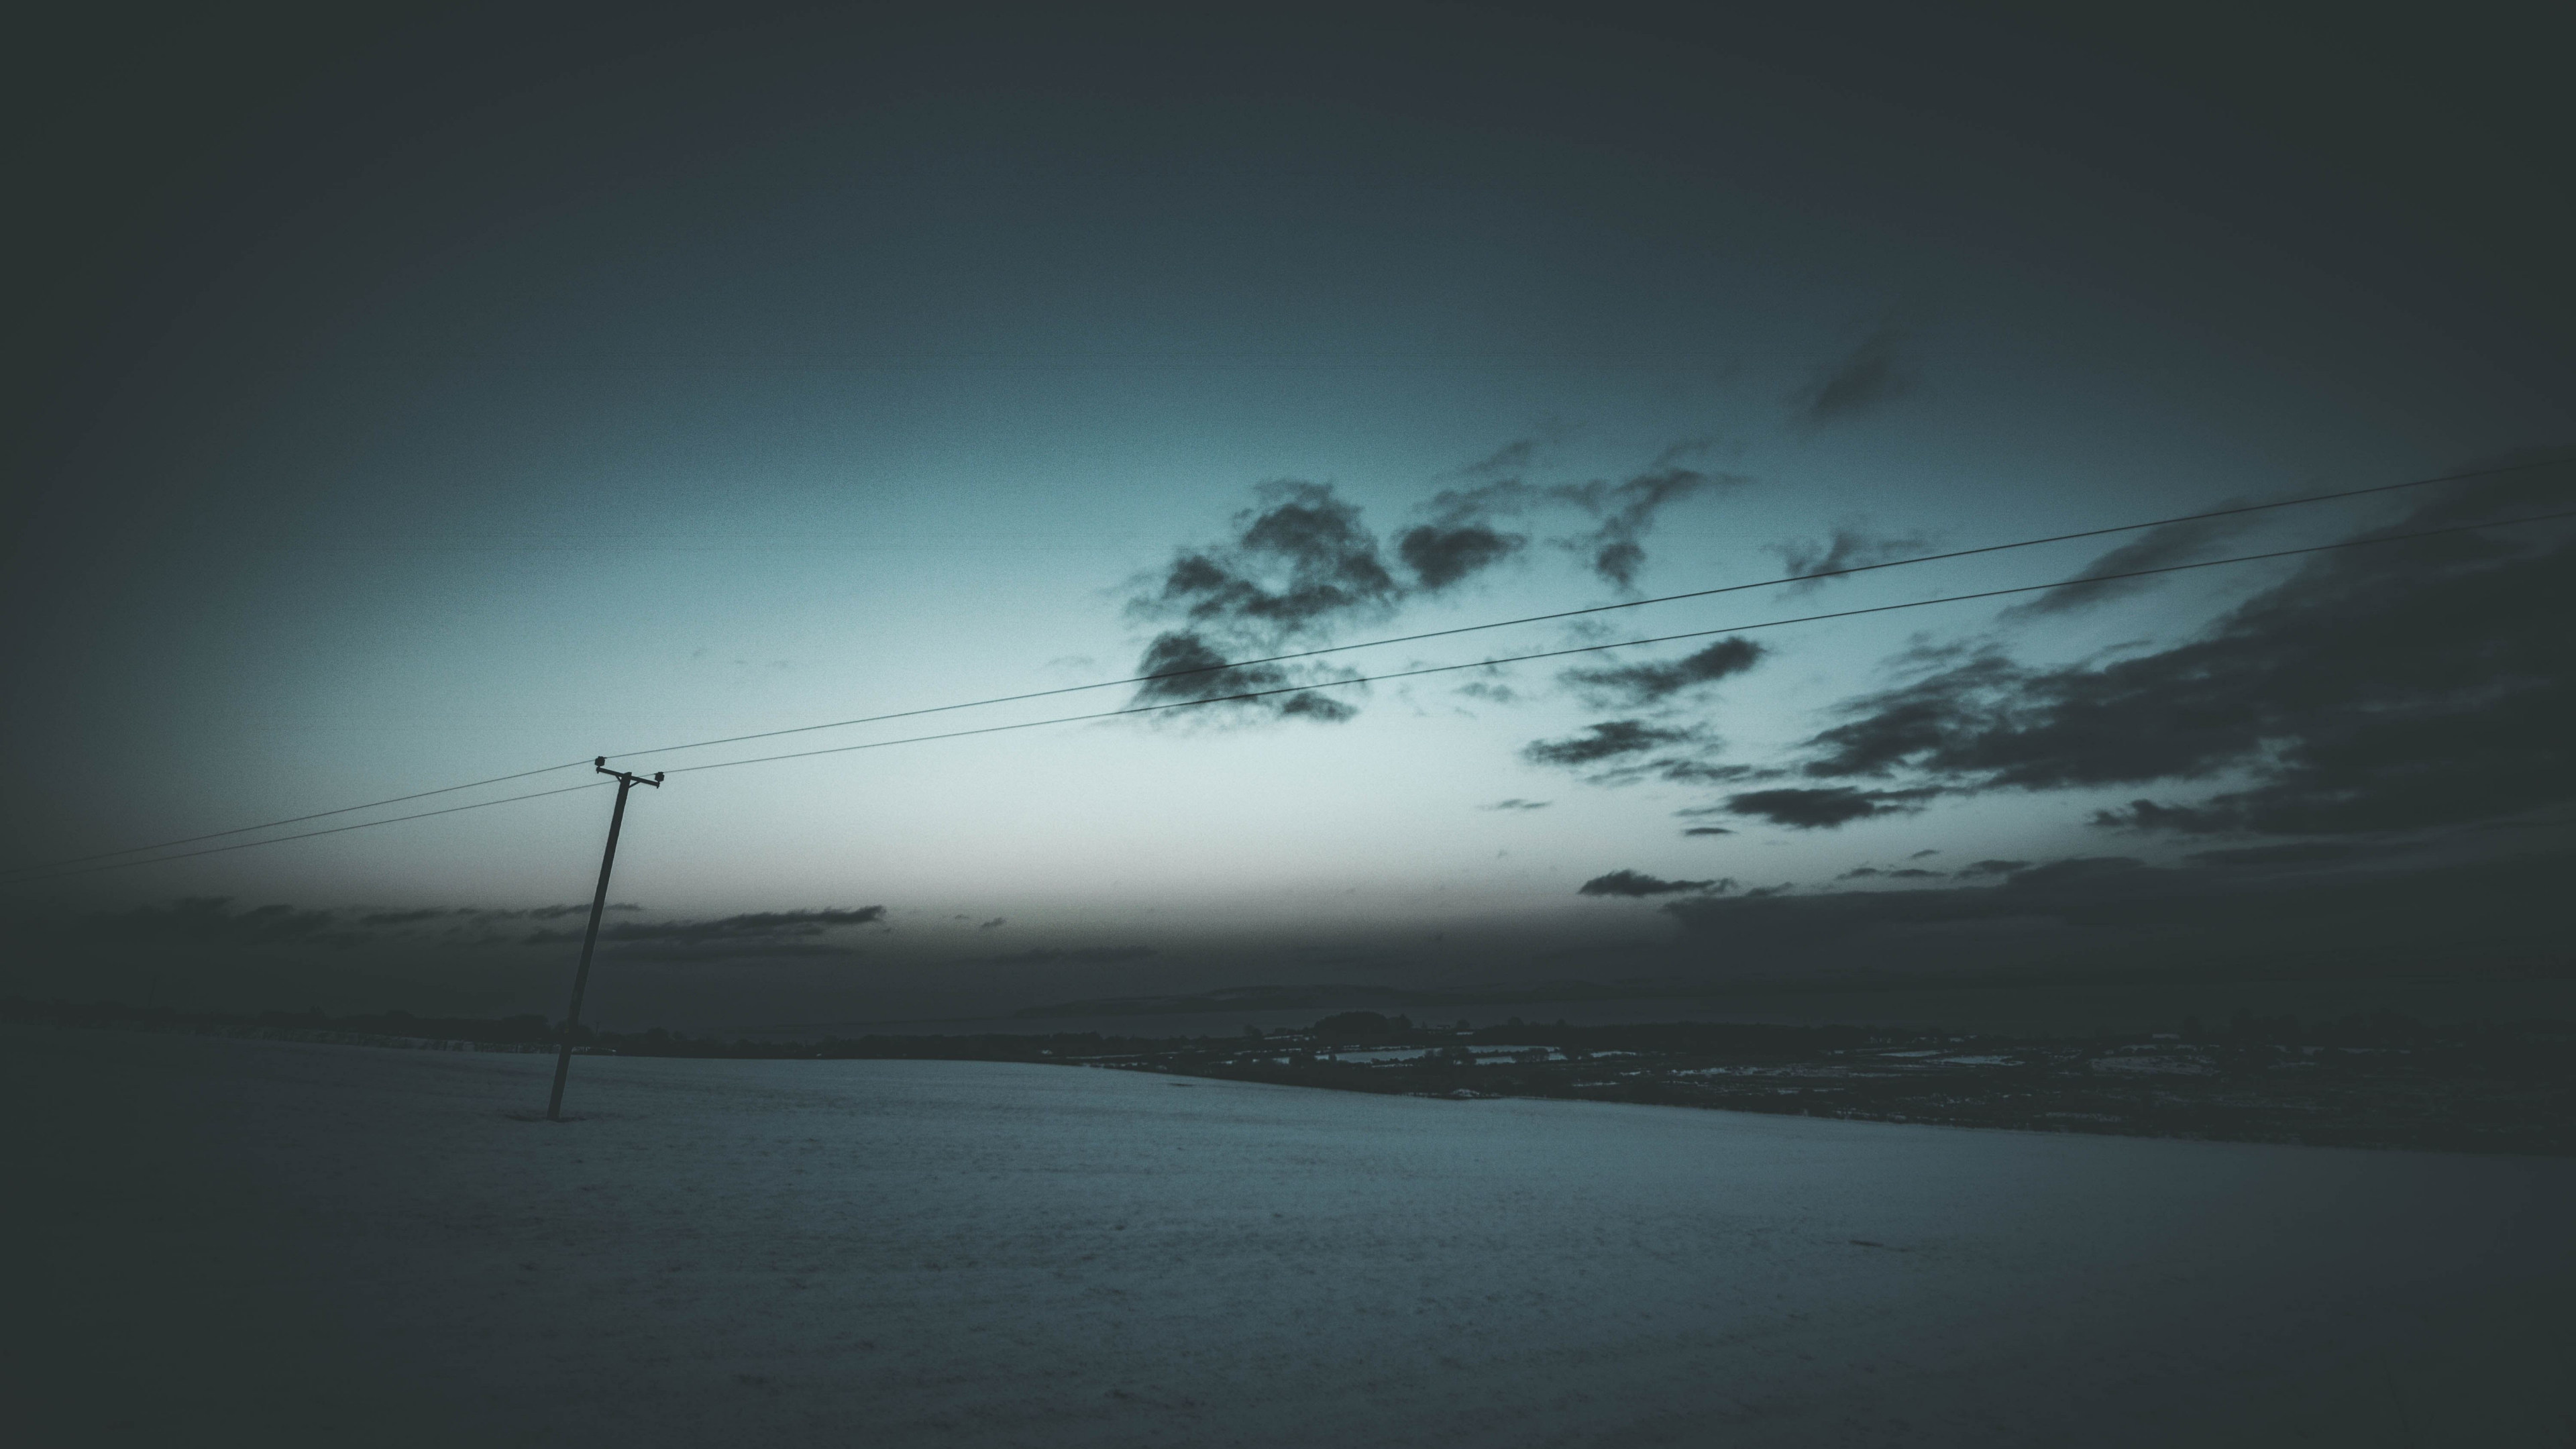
[2156, 548]
[2411, 685]
[1862, 872]
[1461, 535]
[1682, 770]
[2306, 852]
[1301, 563]
[2087, 873]
[1511, 458]
[1073, 955]
[1846, 549]
[530, 913]
[1918, 855]
[741, 933]
[1516, 804]
[2118, 914]
[1619, 560]
[1181, 665]
[1873, 373]
[1624, 751]
[719, 951]
[1321, 708]
[483, 927]
[1631, 883]
[1300, 560]
[1913, 872]
[1894, 726]
[1994, 867]
[1708, 830]
[1192, 669]
[2181, 819]
[211, 921]
[1485, 503]
[1640, 684]
[1825, 809]
[820, 920]
[996, 923]
[1608, 740]
[1627, 511]
[1440, 557]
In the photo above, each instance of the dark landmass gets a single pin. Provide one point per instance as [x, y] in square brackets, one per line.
[2365, 1080]
[2320, 975]
[2377, 1080]
[2066, 1005]
[1329, 995]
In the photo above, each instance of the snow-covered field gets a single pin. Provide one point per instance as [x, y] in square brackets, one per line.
[260, 1242]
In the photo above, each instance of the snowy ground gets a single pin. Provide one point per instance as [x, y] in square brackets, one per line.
[262, 1242]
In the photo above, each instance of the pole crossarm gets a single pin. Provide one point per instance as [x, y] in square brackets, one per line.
[626, 779]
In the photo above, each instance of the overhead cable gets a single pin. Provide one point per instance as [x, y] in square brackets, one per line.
[39, 870]
[1819, 574]
[309, 834]
[1622, 644]
[316, 815]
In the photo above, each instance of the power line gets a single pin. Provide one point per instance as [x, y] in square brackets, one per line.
[334, 830]
[1626, 643]
[20, 871]
[1378, 678]
[1593, 609]
[300, 819]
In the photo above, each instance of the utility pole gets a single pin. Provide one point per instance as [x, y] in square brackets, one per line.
[590, 938]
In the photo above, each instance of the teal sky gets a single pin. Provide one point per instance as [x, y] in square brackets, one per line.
[461, 417]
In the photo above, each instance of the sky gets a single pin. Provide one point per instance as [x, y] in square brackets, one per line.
[430, 396]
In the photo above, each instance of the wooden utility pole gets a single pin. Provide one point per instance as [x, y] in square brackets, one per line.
[590, 938]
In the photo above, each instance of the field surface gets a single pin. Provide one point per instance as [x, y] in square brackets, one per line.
[268, 1242]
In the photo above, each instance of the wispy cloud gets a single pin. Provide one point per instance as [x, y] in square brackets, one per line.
[1826, 809]
[1628, 510]
[1634, 884]
[2156, 548]
[2394, 688]
[1863, 380]
[1848, 547]
[1656, 681]
[1610, 739]
[756, 933]
[1624, 751]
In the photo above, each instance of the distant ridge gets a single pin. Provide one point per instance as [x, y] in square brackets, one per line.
[1331, 995]
[1346, 996]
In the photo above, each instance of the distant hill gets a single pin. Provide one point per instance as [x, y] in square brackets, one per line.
[1332, 996]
